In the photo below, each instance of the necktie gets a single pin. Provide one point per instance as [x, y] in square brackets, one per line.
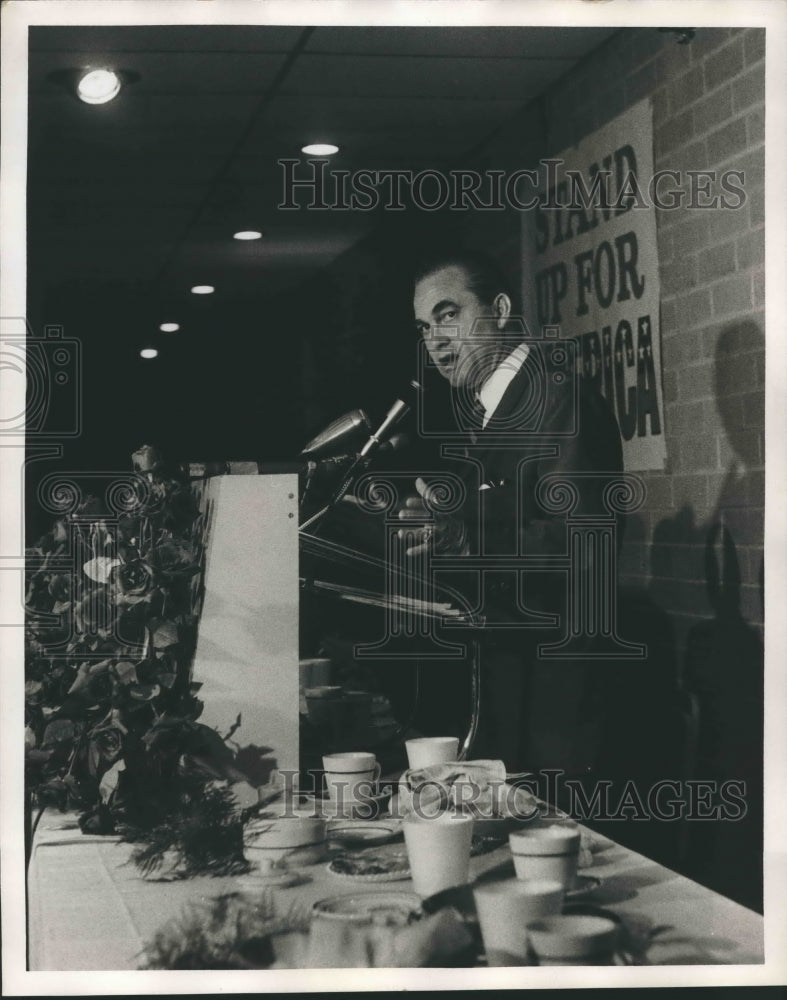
[476, 418]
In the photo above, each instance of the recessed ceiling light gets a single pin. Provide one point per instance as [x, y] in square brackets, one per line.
[320, 149]
[169, 327]
[98, 86]
[203, 289]
[148, 352]
[247, 234]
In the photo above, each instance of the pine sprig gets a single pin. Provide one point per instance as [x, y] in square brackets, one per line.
[204, 832]
[232, 931]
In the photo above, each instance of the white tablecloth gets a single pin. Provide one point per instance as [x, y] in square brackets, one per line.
[89, 908]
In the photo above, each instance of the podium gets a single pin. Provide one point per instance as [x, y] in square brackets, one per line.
[273, 595]
[247, 642]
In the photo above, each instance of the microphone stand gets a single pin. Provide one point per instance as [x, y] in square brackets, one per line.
[338, 494]
[361, 461]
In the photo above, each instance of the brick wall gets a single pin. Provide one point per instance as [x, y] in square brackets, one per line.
[708, 114]
[692, 562]
[691, 591]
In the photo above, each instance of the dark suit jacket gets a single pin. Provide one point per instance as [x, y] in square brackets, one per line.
[549, 421]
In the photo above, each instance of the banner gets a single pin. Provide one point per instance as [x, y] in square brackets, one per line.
[597, 276]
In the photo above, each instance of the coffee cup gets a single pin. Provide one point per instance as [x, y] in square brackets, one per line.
[338, 941]
[571, 939]
[322, 703]
[314, 672]
[505, 908]
[425, 750]
[438, 849]
[351, 777]
[290, 840]
[547, 853]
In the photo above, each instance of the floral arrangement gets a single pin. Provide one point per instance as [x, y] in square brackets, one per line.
[232, 931]
[112, 604]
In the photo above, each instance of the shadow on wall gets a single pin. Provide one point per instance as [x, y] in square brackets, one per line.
[692, 710]
[723, 663]
[721, 676]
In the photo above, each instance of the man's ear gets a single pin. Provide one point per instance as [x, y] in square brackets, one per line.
[502, 307]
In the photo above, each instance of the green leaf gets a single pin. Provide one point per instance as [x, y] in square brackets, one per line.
[93, 758]
[144, 692]
[126, 672]
[88, 672]
[60, 731]
[109, 781]
[166, 634]
[100, 568]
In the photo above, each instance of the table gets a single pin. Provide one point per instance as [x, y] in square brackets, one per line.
[90, 909]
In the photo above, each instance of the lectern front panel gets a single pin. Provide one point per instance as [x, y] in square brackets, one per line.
[247, 645]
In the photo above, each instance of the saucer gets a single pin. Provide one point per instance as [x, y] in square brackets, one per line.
[362, 834]
[397, 908]
[273, 878]
[583, 886]
[371, 868]
[368, 809]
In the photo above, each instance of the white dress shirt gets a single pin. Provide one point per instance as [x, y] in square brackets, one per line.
[493, 390]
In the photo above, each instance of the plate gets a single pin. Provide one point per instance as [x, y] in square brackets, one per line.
[583, 886]
[275, 878]
[360, 834]
[398, 908]
[371, 867]
[372, 806]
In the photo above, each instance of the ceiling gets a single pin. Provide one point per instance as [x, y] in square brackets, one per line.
[145, 192]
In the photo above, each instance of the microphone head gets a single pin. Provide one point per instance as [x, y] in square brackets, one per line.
[336, 435]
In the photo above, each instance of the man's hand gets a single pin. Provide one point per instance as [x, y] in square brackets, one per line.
[442, 533]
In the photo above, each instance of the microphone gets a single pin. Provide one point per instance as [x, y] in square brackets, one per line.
[397, 411]
[394, 443]
[323, 470]
[337, 434]
[392, 417]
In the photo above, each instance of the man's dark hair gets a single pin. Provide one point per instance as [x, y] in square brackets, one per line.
[485, 277]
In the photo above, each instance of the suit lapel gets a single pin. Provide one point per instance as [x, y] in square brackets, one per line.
[519, 389]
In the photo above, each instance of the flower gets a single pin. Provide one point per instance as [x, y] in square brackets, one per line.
[129, 528]
[173, 556]
[133, 580]
[99, 569]
[179, 509]
[146, 459]
[110, 707]
[109, 742]
[60, 586]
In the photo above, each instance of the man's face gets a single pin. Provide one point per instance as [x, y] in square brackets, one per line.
[461, 331]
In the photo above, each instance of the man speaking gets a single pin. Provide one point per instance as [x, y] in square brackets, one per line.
[527, 415]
